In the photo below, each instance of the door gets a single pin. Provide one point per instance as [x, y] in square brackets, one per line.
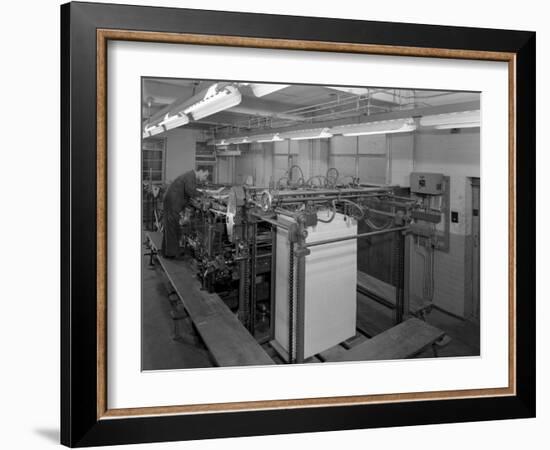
[476, 213]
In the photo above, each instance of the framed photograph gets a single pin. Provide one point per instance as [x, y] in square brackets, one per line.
[278, 224]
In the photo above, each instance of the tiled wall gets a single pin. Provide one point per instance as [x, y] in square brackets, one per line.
[450, 274]
[456, 155]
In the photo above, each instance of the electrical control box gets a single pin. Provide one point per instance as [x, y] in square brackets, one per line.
[427, 183]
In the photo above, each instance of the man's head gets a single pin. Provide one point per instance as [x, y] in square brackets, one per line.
[202, 175]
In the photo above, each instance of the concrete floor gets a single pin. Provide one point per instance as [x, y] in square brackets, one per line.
[163, 350]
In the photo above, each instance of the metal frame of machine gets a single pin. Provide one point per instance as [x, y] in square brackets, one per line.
[232, 236]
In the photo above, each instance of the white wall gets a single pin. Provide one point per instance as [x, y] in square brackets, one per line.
[269, 162]
[180, 151]
[256, 161]
[400, 148]
[456, 155]
[225, 169]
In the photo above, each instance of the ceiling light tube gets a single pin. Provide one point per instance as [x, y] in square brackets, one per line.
[300, 135]
[453, 120]
[152, 131]
[372, 128]
[239, 140]
[457, 125]
[267, 138]
[175, 121]
[216, 100]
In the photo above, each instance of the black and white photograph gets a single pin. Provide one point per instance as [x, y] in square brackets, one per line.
[307, 224]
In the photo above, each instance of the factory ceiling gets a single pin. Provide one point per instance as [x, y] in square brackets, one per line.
[270, 106]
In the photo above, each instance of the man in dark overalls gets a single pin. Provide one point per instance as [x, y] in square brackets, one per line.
[176, 198]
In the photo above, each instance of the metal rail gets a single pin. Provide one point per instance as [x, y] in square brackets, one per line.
[357, 236]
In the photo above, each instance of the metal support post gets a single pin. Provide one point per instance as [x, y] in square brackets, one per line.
[399, 278]
[253, 262]
[291, 303]
[272, 281]
[407, 275]
[301, 254]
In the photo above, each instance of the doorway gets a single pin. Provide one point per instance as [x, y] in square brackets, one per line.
[476, 214]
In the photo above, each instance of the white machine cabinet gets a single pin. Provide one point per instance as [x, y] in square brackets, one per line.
[330, 286]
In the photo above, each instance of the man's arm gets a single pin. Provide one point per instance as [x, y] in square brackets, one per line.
[211, 191]
[191, 185]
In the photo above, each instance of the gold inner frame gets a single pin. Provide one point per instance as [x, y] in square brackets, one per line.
[104, 35]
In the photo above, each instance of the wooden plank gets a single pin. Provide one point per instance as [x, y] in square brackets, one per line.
[354, 341]
[230, 343]
[372, 317]
[312, 360]
[335, 353]
[376, 287]
[225, 337]
[402, 341]
[385, 293]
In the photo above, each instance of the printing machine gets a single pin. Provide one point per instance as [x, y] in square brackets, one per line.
[237, 237]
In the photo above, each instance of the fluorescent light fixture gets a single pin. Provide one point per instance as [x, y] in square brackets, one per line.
[171, 122]
[152, 131]
[267, 138]
[300, 135]
[221, 143]
[463, 119]
[381, 127]
[215, 100]
[261, 89]
[239, 140]
[460, 125]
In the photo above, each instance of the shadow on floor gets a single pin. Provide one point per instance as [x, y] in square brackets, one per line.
[49, 434]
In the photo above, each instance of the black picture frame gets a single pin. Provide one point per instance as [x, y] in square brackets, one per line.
[80, 424]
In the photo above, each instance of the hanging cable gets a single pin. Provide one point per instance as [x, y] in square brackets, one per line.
[356, 206]
[331, 217]
[323, 179]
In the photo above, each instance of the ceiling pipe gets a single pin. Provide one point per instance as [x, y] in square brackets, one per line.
[400, 114]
